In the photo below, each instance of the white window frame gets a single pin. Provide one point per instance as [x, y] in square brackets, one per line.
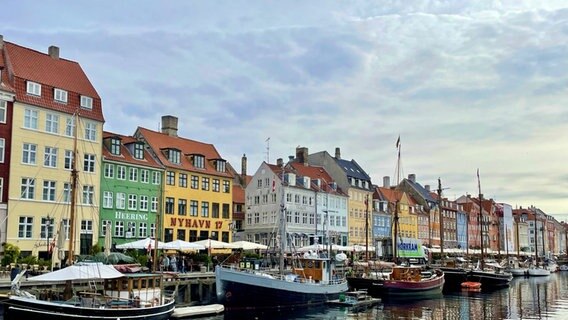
[133, 174]
[25, 227]
[86, 226]
[29, 151]
[88, 194]
[121, 172]
[70, 127]
[120, 200]
[143, 203]
[30, 119]
[89, 162]
[86, 102]
[27, 188]
[142, 230]
[199, 161]
[154, 204]
[1, 188]
[144, 176]
[33, 88]
[156, 177]
[119, 229]
[109, 170]
[68, 163]
[48, 193]
[90, 131]
[67, 192]
[3, 111]
[2, 150]
[60, 95]
[52, 123]
[108, 199]
[50, 157]
[132, 202]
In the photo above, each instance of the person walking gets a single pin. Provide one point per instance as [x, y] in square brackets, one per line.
[173, 263]
[166, 263]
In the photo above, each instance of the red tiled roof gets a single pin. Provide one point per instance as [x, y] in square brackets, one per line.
[4, 80]
[28, 64]
[391, 195]
[238, 194]
[314, 172]
[125, 155]
[159, 141]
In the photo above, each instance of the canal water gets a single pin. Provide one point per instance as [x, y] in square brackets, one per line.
[526, 298]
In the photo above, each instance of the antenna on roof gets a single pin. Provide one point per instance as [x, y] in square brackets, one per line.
[267, 150]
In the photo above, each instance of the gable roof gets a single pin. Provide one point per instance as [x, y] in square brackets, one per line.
[125, 155]
[421, 190]
[28, 64]
[352, 169]
[159, 141]
[316, 172]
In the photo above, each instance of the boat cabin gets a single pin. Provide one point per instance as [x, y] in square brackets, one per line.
[143, 289]
[312, 269]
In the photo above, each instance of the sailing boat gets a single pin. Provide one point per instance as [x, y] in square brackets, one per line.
[514, 266]
[401, 281]
[312, 281]
[490, 276]
[111, 294]
[536, 270]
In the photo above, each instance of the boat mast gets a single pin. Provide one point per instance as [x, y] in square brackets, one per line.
[441, 218]
[282, 226]
[395, 218]
[367, 228]
[74, 178]
[482, 264]
[535, 241]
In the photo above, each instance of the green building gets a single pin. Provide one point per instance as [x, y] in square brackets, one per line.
[131, 190]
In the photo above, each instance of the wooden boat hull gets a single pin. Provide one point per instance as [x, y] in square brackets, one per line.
[413, 288]
[453, 277]
[31, 309]
[238, 289]
[489, 279]
[373, 286]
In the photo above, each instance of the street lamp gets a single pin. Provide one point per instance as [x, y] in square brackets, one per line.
[47, 224]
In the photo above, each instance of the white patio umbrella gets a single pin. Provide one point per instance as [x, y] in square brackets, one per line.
[108, 239]
[214, 244]
[183, 245]
[246, 245]
[313, 247]
[141, 244]
[360, 248]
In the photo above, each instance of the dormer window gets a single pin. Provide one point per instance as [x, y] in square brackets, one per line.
[139, 151]
[86, 102]
[115, 146]
[220, 165]
[60, 95]
[174, 156]
[199, 161]
[33, 88]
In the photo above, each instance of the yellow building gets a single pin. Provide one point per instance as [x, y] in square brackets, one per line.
[197, 186]
[50, 91]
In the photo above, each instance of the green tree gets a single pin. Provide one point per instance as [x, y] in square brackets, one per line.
[11, 253]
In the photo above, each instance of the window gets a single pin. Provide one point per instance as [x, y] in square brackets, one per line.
[169, 205]
[205, 183]
[119, 228]
[225, 211]
[25, 227]
[1, 189]
[50, 157]
[107, 199]
[194, 182]
[87, 226]
[154, 207]
[48, 190]
[142, 230]
[183, 180]
[155, 177]
[153, 230]
[121, 173]
[104, 226]
[60, 95]
[89, 162]
[205, 209]
[214, 210]
[144, 176]
[199, 161]
[91, 131]
[132, 202]
[143, 203]
[3, 111]
[139, 151]
[193, 208]
[133, 174]
[33, 88]
[109, 170]
[174, 156]
[29, 153]
[226, 186]
[30, 119]
[70, 127]
[66, 227]
[68, 160]
[51, 123]
[46, 228]
[220, 165]
[182, 207]
[120, 200]
[171, 178]
[28, 188]
[216, 185]
[115, 146]
[88, 194]
[181, 234]
[131, 229]
[86, 102]
[2, 145]
[66, 192]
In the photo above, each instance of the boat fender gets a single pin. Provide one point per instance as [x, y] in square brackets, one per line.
[155, 301]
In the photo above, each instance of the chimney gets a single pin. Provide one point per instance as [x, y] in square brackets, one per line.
[386, 182]
[337, 153]
[170, 125]
[279, 162]
[412, 177]
[244, 168]
[427, 187]
[54, 52]
[302, 155]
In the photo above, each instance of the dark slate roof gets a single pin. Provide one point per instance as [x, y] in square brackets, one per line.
[421, 190]
[352, 169]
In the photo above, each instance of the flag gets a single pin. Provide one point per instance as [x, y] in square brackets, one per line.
[398, 141]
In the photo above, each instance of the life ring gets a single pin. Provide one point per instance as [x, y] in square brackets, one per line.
[310, 264]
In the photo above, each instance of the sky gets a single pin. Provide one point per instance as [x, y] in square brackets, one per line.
[467, 85]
